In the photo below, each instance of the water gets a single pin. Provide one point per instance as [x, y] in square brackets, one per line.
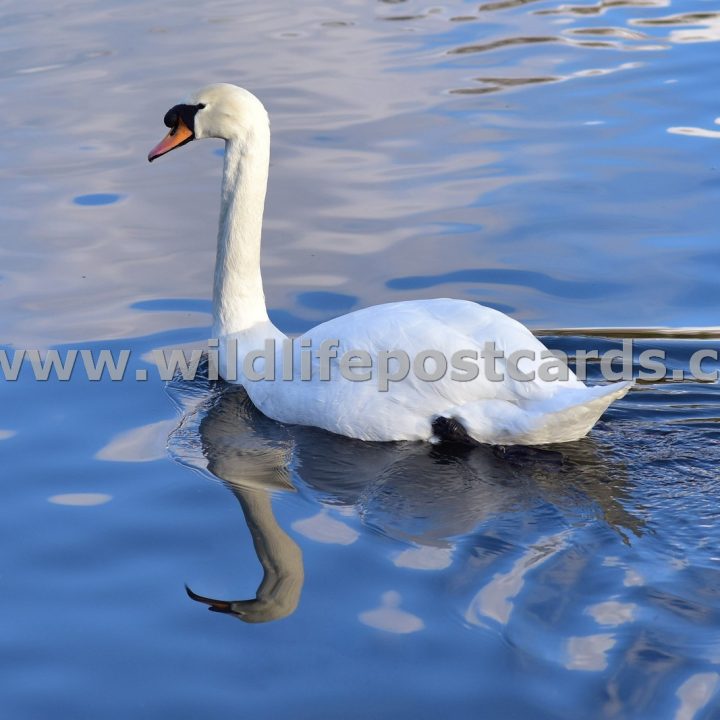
[556, 161]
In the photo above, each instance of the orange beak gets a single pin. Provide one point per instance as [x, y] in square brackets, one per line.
[179, 135]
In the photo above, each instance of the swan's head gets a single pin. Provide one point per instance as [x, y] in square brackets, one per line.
[217, 111]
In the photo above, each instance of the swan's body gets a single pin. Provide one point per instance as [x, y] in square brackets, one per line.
[506, 412]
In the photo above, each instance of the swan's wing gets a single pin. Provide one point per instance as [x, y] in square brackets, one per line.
[407, 408]
[447, 327]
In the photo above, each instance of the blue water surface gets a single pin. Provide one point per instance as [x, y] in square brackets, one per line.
[556, 160]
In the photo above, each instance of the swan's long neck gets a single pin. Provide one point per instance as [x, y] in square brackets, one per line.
[238, 298]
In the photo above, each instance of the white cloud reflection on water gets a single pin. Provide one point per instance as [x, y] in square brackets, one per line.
[324, 528]
[425, 557]
[495, 600]
[612, 612]
[589, 652]
[696, 132]
[141, 444]
[390, 617]
[80, 499]
[695, 693]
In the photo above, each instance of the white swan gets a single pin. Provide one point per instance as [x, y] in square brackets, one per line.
[511, 411]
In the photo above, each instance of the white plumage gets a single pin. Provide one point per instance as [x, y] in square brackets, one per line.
[508, 412]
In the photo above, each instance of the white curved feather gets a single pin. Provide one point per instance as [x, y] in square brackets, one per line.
[507, 412]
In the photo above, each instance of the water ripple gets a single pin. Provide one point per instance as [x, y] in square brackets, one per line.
[705, 26]
[602, 7]
[499, 276]
[505, 5]
[505, 43]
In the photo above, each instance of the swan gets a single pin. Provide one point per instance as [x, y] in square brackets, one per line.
[495, 407]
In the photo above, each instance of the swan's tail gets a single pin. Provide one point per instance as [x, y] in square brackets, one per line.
[567, 416]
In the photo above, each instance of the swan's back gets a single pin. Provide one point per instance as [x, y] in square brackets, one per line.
[489, 410]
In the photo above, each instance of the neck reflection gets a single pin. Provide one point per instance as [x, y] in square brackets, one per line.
[419, 495]
[281, 559]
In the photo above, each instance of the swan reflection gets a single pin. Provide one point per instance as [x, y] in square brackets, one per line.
[280, 557]
[425, 497]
